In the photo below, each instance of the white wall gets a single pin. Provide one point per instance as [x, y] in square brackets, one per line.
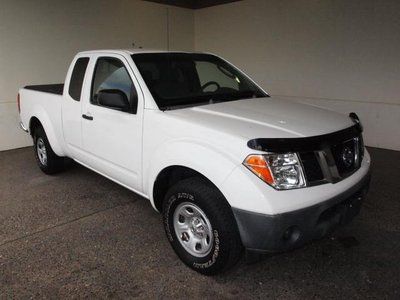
[341, 54]
[39, 38]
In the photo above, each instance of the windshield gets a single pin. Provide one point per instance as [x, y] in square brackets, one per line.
[183, 79]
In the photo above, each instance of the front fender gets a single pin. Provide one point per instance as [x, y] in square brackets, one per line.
[213, 163]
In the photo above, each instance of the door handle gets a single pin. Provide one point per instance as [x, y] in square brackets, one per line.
[90, 118]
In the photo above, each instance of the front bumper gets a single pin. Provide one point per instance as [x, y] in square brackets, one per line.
[285, 231]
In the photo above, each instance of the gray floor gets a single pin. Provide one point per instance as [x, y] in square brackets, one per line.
[78, 234]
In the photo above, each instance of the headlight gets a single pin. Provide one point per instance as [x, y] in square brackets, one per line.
[281, 171]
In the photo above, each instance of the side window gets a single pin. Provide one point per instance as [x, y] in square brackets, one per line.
[75, 84]
[111, 74]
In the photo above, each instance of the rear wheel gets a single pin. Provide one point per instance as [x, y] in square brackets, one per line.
[46, 159]
[200, 226]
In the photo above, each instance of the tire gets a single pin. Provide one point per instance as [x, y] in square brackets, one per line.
[46, 159]
[217, 243]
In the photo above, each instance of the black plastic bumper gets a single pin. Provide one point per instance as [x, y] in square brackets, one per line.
[281, 232]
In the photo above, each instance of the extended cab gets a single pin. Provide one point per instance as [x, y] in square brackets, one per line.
[228, 166]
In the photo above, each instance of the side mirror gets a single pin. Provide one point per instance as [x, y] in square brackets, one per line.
[115, 99]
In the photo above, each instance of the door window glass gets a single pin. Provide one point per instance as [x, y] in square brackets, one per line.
[111, 74]
[78, 74]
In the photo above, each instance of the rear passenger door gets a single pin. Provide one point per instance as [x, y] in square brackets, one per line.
[71, 106]
[111, 135]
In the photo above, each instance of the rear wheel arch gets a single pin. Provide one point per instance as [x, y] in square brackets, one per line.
[41, 120]
[34, 123]
[47, 160]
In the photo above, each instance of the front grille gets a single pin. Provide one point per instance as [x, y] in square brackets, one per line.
[333, 163]
[325, 158]
[345, 155]
[312, 169]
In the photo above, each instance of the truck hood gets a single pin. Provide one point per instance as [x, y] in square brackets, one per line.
[270, 117]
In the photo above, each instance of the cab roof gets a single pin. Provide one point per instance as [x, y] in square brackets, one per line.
[132, 51]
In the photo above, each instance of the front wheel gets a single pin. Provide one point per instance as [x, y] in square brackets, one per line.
[200, 226]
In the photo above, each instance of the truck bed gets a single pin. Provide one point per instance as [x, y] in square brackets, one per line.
[44, 103]
[47, 88]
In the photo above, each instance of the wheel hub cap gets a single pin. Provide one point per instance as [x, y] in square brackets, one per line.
[193, 229]
[41, 151]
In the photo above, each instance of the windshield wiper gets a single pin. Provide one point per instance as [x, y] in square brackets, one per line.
[210, 99]
[188, 102]
[234, 96]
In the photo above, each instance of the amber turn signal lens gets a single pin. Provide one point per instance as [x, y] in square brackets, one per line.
[259, 166]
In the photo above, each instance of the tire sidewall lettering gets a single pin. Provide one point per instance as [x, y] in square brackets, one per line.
[214, 256]
[186, 196]
[171, 200]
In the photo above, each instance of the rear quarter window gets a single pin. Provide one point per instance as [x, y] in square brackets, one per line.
[75, 84]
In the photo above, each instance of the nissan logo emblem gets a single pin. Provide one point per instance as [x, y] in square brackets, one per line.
[347, 157]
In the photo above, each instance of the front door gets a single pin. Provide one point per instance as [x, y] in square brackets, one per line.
[111, 136]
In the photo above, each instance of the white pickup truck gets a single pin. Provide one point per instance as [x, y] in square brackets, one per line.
[229, 167]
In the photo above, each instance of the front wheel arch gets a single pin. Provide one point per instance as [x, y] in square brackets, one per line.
[168, 177]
